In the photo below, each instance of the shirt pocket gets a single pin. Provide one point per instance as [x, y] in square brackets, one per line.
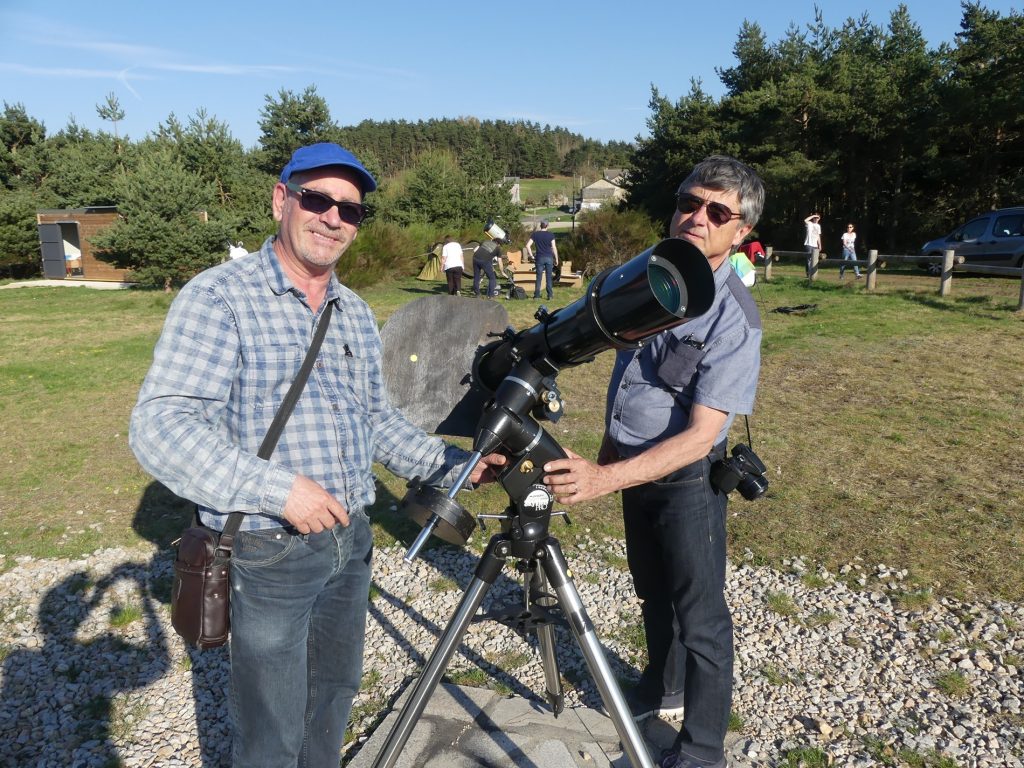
[679, 361]
[268, 372]
[353, 378]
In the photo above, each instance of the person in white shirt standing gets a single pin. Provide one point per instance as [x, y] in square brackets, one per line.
[812, 239]
[452, 264]
[849, 238]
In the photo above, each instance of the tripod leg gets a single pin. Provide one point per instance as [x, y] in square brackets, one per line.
[486, 572]
[537, 590]
[557, 572]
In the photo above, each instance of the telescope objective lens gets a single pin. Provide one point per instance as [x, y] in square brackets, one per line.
[665, 280]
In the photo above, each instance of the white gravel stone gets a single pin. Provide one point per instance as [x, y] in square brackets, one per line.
[77, 690]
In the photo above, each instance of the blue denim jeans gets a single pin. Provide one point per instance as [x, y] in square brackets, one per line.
[298, 619]
[544, 269]
[675, 546]
[848, 255]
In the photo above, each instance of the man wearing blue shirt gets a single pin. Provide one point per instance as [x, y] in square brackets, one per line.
[232, 344]
[669, 409]
[546, 259]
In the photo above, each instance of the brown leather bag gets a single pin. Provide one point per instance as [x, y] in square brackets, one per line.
[199, 600]
[200, 607]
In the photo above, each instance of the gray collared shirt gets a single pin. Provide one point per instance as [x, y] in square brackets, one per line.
[712, 360]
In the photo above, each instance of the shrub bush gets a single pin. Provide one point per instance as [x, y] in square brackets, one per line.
[19, 241]
[607, 237]
[385, 250]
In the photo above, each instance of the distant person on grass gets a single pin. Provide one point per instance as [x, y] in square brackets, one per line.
[849, 239]
[484, 258]
[232, 344]
[812, 237]
[546, 259]
[452, 264]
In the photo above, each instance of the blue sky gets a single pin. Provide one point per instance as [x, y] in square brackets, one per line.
[584, 66]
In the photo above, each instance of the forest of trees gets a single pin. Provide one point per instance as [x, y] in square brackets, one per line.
[437, 176]
[864, 123]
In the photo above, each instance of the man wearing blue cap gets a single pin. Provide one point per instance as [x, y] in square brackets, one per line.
[232, 344]
[547, 257]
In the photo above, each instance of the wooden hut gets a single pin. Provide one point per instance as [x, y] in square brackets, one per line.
[65, 238]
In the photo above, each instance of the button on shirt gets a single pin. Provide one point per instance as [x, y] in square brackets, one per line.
[712, 360]
[232, 344]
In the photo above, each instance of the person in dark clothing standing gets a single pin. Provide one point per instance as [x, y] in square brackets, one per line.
[483, 263]
[546, 258]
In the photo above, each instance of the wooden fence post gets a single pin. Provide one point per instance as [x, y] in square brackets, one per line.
[872, 269]
[812, 269]
[768, 267]
[946, 281]
[1020, 303]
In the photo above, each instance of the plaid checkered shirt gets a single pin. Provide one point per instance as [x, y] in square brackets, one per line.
[232, 344]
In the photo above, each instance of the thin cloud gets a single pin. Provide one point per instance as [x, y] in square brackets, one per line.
[74, 72]
[134, 56]
[224, 69]
[116, 50]
[122, 77]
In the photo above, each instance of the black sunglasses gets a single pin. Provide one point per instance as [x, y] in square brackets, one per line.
[319, 203]
[718, 214]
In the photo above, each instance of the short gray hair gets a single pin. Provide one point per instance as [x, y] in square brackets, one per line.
[728, 174]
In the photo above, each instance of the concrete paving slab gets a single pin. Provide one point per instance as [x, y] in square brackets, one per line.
[465, 727]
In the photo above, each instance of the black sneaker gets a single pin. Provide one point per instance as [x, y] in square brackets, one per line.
[672, 759]
[669, 707]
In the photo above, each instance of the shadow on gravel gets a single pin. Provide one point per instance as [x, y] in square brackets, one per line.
[160, 518]
[65, 703]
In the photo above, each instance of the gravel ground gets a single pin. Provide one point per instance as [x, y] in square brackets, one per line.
[92, 673]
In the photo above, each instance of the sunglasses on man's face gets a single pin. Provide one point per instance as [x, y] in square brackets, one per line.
[718, 214]
[319, 203]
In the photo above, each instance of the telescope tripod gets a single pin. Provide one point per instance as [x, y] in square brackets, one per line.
[545, 566]
[509, 421]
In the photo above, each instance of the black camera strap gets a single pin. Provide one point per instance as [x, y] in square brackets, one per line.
[746, 423]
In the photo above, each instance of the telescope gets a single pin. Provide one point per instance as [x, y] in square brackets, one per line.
[510, 389]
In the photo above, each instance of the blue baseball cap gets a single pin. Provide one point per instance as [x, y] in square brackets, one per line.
[325, 154]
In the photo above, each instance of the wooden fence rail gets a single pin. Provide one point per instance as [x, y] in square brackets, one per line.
[949, 261]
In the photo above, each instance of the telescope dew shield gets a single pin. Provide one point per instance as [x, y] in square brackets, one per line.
[662, 287]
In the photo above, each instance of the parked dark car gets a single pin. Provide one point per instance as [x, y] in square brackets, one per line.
[994, 237]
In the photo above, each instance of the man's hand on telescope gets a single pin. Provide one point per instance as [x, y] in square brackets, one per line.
[311, 509]
[575, 479]
[484, 472]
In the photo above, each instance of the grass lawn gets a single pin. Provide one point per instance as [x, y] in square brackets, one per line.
[891, 424]
[538, 189]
